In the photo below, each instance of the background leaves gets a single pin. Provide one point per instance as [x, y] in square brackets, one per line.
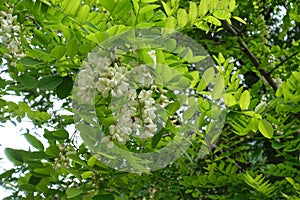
[255, 157]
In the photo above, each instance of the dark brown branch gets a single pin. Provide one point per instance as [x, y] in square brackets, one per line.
[282, 62]
[250, 55]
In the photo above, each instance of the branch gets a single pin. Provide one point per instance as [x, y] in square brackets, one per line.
[282, 62]
[250, 55]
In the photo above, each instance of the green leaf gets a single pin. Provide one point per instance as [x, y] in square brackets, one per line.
[40, 36]
[43, 184]
[58, 52]
[229, 100]
[92, 161]
[149, 1]
[173, 107]
[164, 74]
[104, 197]
[209, 75]
[193, 12]
[65, 88]
[213, 20]
[253, 124]
[83, 13]
[170, 44]
[28, 61]
[182, 17]
[232, 5]
[167, 8]
[218, 90]
[189, 113]
[295, 17]
[239, 19]
[7, 174]
[221, 58]
[195, 78]
[72, 47]
[76, 159]
[86, 175]
[28, 81]
[44, 171]
[136, 6]
[98, 37]
[245, 100]
[71, 7]
[148, 8]
[260, 107]
[265, 128]
[171, 23]
[156, 138]
[73, 192]
[14, 156]
[61, 134]
[34, 141]
[122, 8]
[108, 4]
[52, 151]
[203, 7]
[49, 82]
[196, 59]
[222, 14]
[107, 121]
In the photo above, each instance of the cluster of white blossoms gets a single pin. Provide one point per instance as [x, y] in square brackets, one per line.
[131, 92]
[10, 37]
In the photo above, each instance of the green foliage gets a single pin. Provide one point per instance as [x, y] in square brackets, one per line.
[256, 77]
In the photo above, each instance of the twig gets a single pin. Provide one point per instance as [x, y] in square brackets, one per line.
[282, 62]
[250, 55]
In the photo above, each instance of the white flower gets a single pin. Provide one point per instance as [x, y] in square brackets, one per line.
[86, 79]
[86, 96]
[149, 113]
[105, 92]
[93, 58]
[149, 102]
[152, 128]
[10, 34]
[101, 84]
[146, 134]
[131, 94]
[152, 55]
[144, 95]
[13, 46]
[5, 27]
[122, 89]
[110, 143]
[112, 129]
[16, 28]
[135, 113]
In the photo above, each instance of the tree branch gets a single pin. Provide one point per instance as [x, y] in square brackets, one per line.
[282, 62]
[250, 55]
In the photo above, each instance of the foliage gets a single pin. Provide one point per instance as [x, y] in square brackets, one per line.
[256, 76]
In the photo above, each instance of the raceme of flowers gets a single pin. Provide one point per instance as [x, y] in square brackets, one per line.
[131, 92]
[9, 37]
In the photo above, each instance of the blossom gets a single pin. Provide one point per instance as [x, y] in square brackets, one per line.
[132, 91]
[10, 37]
[142, 76]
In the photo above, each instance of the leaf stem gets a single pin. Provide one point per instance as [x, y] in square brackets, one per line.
[282, 62]
[250, 55]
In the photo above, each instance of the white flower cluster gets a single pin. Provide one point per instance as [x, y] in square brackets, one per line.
[10, 37]
[87, 78]
[131, 92]
[137, 118]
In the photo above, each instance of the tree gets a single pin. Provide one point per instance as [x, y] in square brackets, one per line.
[135, 79]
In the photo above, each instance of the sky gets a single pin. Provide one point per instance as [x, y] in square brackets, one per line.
[11, 136]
